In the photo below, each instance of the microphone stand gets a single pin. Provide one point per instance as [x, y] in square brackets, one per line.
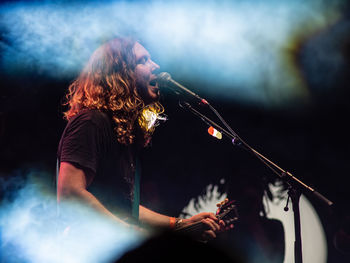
[295, 186]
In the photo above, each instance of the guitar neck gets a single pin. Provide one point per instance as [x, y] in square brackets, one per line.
[191, 229]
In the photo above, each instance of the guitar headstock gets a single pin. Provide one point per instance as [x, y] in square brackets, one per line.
[227, 211]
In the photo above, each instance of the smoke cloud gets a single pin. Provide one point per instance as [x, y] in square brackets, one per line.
[32, 229]
[233, 49]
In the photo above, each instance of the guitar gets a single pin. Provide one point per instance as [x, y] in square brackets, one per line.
[227, 211]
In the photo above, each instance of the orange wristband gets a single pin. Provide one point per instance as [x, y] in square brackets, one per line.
[172, 222]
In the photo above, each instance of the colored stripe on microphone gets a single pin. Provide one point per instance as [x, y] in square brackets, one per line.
[214, 132]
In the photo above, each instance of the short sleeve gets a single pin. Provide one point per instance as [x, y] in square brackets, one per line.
[80, 143]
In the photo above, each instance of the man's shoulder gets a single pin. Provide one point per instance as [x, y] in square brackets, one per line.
[93, 116]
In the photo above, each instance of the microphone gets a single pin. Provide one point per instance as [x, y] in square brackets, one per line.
[164, 80]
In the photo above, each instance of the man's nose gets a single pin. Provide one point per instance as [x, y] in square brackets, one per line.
[155, 66]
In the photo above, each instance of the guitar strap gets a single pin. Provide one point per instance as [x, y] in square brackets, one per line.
[56, 184]
[136, 201]
[57, 171]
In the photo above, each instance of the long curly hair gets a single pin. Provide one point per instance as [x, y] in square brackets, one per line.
[108, 83]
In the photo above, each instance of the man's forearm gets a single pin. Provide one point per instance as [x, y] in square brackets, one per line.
[86, 197]
[72, 185]
[150, 217]
[99, 207]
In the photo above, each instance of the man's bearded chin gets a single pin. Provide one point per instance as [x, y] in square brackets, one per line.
[148, 91]
[142, 90]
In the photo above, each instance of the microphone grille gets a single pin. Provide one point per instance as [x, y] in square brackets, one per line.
[163, 78]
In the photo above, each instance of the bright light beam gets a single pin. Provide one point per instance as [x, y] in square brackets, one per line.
[233, 49]
[32, 232]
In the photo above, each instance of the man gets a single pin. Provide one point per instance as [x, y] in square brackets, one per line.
[107, 126]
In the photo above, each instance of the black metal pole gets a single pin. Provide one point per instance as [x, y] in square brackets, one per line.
[296, 186]
[295, 198]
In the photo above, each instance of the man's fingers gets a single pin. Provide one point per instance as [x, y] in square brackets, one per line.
[212, 216]
[222, 223]
[211, 224]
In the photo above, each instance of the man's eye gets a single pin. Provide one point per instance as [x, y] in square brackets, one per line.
[142, 60]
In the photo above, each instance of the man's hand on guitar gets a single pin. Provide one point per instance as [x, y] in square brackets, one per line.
[211, 225]
[206, 226]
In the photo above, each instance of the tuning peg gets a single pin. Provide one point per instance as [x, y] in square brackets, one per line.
[222, 202]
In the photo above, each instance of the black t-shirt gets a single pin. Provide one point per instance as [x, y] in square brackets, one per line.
[89, 143]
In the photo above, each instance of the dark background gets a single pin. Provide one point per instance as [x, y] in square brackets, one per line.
[310, 140]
